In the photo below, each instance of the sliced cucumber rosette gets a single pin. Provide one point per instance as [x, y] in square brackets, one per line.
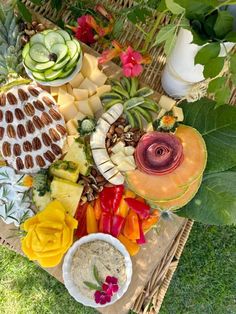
[51, 55]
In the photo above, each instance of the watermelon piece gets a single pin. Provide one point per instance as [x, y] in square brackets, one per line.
[173, 185]
[182, 200]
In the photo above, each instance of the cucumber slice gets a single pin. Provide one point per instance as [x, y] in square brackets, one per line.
[51, 75]
[67, 73]
[77, 44]
[53, 38]
[39, 53]
[41, 67]
[72, 62]
[61, 64]
[25, 50]
[29, 63]
[64, 34]
[72, 48]
[60, 50]
[37, 39]
[38, 76]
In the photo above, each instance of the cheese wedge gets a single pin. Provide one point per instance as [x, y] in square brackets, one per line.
[103, 89]
[90, 63]
[98, 77]
[64, 99]
[54, 90]
[80, 94]
[68, 111]
[80, 116]
[77, 80]
[71, 127]
[69, 89]
[89, 85]
[83, 106]
[95, 103]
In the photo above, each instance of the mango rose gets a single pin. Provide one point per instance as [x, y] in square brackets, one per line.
[49, 235]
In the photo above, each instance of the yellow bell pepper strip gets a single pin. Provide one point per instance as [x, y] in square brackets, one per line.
[142, 239]
[117, 225]
[132, 248]
[142, 209]
[123, 208]
[49, 235]
[148, 223]
[91, 220]
[131, 228]
[105, 223]
[97, 209]
[80, 216]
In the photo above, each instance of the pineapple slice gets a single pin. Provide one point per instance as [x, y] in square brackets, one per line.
[64, 169]
[103, 89]
[77, 80]
[95, 103]
[80, 94]
[66, 192]
[90, 63]
[89, 85]
[83, 106]
[71, 127]
[98, 77]
[68, 111]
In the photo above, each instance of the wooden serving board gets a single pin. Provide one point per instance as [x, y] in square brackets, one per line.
[150, 255]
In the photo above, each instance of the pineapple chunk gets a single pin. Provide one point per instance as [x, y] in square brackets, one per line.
[64, 99]
[89, 85]
[80, 116]
[68, 111]
[77, 80]
[95, 103]
[90, 63]
[83, 106]
[69, 89]
[66, 192]
[98, 77]
[70, 141]
[103, 89]
[64, 169]
[54, 90]
[71, 127]
[80, 94]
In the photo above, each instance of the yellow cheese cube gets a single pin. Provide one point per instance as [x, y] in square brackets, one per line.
[166, 102]
[90, 63]
[80, 94]
[98, 77]
[80, 116]
[103, 89]
[69, 89]
[77, 80]
[178, 113]
[83, 106]
[68, 111]
[71, 127]
[95, 103]
[64, 99]
[70, 140]
[89, 85]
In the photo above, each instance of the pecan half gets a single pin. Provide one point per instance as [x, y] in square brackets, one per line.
[19, 163]
[11, 99]
[49, 156]
[61, 129]
[48, 101]
[55, 114]
[3, 100]
[16, 150]
[33, 91]
[1, 115]
[46, 139]
[29, 163]
[38, 123]
[46, 119]
[40, 161]
[54, 135]
[56, 149]
[19, 114]
[6, 149]
[36, 143]
[27, 147]
[29, 109]
[9, 116]
[38, 105]
[21, 131]
[22, 95]
[11, 131]
[30, 127]
[2, 131]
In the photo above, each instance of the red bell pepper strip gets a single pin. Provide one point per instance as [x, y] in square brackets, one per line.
[117, 225]
[142, 209]
[81, 217]
[105, 223]
[110, 198]
[142, 239]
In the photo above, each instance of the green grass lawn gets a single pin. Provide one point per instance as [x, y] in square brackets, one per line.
[204, 283]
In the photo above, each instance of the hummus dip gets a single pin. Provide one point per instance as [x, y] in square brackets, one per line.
[108, 260]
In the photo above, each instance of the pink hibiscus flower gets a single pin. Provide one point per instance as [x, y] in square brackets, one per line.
[110, 286]
[131, 62]
[101, 297]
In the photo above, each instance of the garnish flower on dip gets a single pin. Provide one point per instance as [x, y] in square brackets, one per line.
[49, 235]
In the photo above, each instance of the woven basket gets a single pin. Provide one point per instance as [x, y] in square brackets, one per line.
[150, 300]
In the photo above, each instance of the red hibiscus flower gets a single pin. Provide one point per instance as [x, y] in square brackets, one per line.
[84, 32]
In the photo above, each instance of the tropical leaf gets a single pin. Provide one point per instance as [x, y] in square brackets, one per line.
[206, 53]
[218, 128]
[224, 24]
[213, 68]
[215, 202]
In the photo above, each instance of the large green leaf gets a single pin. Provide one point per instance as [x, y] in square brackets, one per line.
[214, 67]
[218, 128]
[174, 7]
[215, 202]
[206, 53]
[224, 24]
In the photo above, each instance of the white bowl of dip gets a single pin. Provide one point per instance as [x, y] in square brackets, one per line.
[69, 279]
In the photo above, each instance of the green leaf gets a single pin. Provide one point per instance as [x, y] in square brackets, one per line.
[222, 96]
[218, 128]
[118, 26]
[164, 33]
[206, 53]
[233, 64]
[213, 68]
[215, 84]
[139, 13]
[231, 37]
[56, 4]
[38, 2]
[24, 12]
[92, 286]
[174, 7]
[233, 79]
[169, 44]
[224, 24]
[215, 202]
[96, 275]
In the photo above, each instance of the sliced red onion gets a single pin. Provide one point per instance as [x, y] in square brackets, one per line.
[158, 153]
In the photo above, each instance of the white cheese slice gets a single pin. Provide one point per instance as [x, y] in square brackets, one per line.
[68, 111]
[77, 80]
[166, 102]
[71, 127]
[83, 106]
[106, 167]
[80, 94]
[100, 156]
[129, 150]
[89, 85]
[98, 77]
[116, 111]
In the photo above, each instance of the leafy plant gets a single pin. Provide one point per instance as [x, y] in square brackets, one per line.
[216, 199]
